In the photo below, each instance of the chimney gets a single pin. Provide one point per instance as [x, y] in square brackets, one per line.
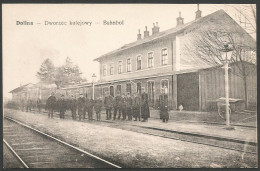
[198, 12]
[146, 33]
[139, 36]
[180, 20]
[155, 28]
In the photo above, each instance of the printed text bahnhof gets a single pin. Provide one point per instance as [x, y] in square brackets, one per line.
[75, 23]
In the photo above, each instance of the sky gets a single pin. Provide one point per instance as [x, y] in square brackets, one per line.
[25, 47]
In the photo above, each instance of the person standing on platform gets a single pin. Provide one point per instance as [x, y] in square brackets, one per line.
[22, 104]
[123, 107]
[85, 107]
[145, 111]
[39, 104]
[89, 105]
[108, 103]
[73, 107]
[163, 99]
[129, 102]
[116, 105]
[136, 106]
[62, 106]
[81, 104]
[29, 105]
[50, 104]
[98, 107]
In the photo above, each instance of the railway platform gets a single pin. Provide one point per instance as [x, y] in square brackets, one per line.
[131, 149]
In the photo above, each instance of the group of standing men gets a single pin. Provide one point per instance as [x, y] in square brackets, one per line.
[135, 106]
[83, 105]
[127, 106]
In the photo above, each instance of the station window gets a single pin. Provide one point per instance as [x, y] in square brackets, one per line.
[111, 69]
[164, 86]
[128, 88]
[104, 70]
[150, 60]
[139, 63]
[120, 67]
[164, 57]
[128, 65]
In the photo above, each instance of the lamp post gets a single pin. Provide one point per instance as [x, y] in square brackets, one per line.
[93, 88]
[226, 57]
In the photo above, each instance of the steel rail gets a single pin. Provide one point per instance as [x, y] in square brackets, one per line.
[15, 154]
[62, 142]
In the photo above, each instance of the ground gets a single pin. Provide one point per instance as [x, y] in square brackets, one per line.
[134, 150]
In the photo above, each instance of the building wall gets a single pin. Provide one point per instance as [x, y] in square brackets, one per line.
[212, 86]
[132, 53]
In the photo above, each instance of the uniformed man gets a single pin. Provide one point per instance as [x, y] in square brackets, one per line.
[98, 107]
[81, 105]
[145, 111]
[129, 102]
[108, 103]
[22, 104]
[116, 105]
[163, 99]
[123, 107]
[50, 104]
[85, 107]
[73, 106]
[136, 106]
[62, 106]
[29, 105]
[89, 106]
[39, 104]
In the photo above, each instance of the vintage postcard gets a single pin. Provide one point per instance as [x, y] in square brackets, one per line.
[129, 86]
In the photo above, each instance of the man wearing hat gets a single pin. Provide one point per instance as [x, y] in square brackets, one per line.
[145, 111]
[73, 106]
[62, 106]
[136, 106]
[163, 99]
[116, 105]
[108, 103]
[81, 105]
[50, 104]
[129, 102]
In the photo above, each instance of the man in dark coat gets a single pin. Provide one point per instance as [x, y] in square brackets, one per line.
[29, 105]
[85, 108]
[108, 103]
[163, 99]
[145, 111]
[89, 106]
[62, 106]
[39, 104]
[73, 106]
[22, 104]
[116, 105]
[50, 104]
[81, 105]
[98, 107]
[129, 102]
[123, 107]
[136, 106]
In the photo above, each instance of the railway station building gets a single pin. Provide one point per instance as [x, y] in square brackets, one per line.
[160, 61]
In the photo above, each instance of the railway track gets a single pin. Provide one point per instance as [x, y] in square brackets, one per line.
[219, 142]
[35, 149]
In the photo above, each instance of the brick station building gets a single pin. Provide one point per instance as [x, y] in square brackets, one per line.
[158, 61]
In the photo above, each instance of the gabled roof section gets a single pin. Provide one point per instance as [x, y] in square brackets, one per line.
[20, 88]
[174, 30]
